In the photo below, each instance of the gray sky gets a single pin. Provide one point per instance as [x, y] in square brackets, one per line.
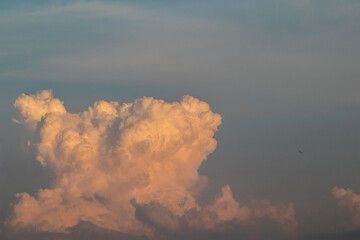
[284, 76]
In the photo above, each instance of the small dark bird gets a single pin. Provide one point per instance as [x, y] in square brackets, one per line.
[300, 151]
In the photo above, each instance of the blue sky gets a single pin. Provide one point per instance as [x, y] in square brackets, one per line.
[284, 75]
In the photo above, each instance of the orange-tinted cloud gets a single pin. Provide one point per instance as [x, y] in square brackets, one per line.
[113, 162]
[349, 200]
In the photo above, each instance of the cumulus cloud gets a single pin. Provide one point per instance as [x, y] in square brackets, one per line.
[224, 218]
[350, 201]
[132, 168]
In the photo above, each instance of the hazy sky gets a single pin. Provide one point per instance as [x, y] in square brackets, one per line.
[283, 75]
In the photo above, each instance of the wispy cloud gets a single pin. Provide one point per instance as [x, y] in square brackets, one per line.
[288, 50]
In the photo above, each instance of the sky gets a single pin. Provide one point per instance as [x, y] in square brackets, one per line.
[265, 143]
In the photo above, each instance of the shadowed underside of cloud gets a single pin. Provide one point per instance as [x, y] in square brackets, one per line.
[132, 170]
[83, 230]
[204, 224]
[347, 235]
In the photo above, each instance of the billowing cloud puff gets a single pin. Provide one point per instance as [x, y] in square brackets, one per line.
[260, 220]
[35, 107]
[131, 168]
[350, 201]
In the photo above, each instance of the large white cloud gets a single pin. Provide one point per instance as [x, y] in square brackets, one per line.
[132, 168]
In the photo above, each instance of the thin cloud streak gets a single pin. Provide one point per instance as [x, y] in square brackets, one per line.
[132, 44]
